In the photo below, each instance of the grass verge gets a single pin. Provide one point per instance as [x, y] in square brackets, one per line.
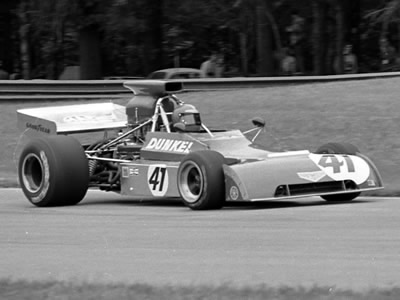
[18, 290]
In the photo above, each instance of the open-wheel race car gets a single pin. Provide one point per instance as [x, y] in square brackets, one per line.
[161, 149]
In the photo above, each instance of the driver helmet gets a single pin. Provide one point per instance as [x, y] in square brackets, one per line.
[188, 115]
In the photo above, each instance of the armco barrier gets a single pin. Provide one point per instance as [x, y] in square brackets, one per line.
[57, 89]
[14, 90]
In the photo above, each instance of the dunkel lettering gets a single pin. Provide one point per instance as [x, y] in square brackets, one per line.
[152, 143]
[174, 147]
[159, 144]
[169, 145]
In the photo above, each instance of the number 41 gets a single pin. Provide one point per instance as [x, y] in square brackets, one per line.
[332, 161]
[155, 179]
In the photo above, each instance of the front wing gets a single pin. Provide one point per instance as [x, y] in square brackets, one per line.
[288, 176]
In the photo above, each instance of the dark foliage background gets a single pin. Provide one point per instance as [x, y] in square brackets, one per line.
[38, 39]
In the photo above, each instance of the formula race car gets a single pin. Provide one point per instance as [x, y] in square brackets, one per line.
[160, 149]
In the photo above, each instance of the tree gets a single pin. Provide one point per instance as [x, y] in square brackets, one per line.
[50, 21]
[265, 62]
[339, 41]
[329, 31]
[23, 34]
[257, 23]
[50, 18]
[204, 27]
[317, 37]
[390, 12]
[243, 24]
[123, 37]
[89, 14]
[133, 36]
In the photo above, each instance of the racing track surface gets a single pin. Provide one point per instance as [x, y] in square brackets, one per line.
[112, 239]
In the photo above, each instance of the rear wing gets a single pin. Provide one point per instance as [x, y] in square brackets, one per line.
[71, 119]
[90, 117]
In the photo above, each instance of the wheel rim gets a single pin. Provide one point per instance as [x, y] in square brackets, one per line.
[32, 173]
[191, 182]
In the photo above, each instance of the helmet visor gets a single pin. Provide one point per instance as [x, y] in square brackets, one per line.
[190, 118]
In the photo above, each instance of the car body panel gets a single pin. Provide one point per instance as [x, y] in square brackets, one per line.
[169, 146]
[294, 176]
[147, 178]
[251, 174]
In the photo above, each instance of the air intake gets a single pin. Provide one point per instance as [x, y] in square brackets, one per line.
[314, 188]
[155, 88]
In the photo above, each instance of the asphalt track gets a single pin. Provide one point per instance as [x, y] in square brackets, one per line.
[111, 239]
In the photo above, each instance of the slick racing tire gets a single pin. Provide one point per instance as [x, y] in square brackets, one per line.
[339, 148]
[341, 197]
[201, 182]
[53, 171]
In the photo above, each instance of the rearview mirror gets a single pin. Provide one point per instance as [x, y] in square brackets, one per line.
[258, 122]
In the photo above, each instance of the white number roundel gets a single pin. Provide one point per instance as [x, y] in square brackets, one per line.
[157, 180]
[342, 167]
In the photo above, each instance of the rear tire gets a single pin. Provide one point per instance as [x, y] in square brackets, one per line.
[53, 171]
[339, 148]
[201, 181]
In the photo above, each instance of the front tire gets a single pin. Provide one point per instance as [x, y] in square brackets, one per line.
[53, 171]
[339, 148]
[341, 197]
[201, 181]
